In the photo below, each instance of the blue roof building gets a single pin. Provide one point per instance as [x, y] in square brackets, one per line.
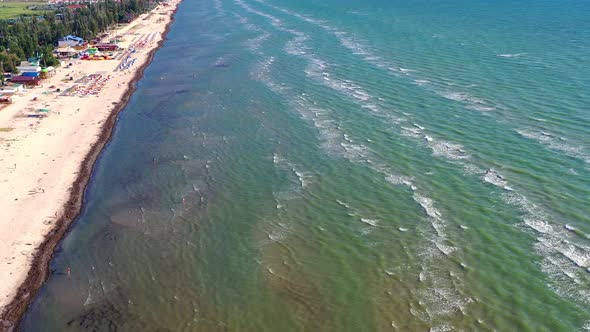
[72, 38]
[70, 41]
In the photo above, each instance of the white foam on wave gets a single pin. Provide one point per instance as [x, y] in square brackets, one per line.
[218, 7]
[304, 177]
[435, 216]
[317, 69]
[565, 256]
[510, 55]
[441, 296]
[493, 177]
[274, 21]
[405, 70]
[447, 150]
[448, 297]
[557, 143]
[255, 44]
[472, 102]
[358, 215]
[353, 44]
[359, 47]
[371, 222]
[548, 249]
[452, 151]
[298, 180]
[428, 206]
[344, 204]
[296, 47]
[276, 236]
[421, 82]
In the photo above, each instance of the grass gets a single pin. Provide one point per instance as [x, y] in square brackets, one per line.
[14, 9]
[5, 130]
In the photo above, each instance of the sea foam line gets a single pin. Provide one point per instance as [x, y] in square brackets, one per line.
[556, 142]
[353, 152]
[447, 296]
[358, 47]
[562, 247]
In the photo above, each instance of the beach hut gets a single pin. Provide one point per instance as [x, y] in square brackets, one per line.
[11, 88]
[29, 67]
[26, 80]
[47, 72]
[30, 74]
[65, 52]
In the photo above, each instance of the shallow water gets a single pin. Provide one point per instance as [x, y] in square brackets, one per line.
[343, 166]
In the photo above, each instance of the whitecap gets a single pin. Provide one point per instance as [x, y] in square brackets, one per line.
[510, 55]
[372, 222]
[493, 177]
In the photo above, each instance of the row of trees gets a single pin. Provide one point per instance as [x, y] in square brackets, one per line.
[36, 36]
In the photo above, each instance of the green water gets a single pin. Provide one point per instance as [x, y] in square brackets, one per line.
[342, 166]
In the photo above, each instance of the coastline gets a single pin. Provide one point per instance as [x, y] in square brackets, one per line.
[38, 272]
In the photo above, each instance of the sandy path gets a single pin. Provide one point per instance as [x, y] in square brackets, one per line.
[41, 157]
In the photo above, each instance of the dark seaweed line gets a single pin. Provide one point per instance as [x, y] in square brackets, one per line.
[11, 316]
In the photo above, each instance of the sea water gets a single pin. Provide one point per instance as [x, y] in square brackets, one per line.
[342, 165]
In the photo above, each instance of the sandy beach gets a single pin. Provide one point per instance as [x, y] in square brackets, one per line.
[50, 137]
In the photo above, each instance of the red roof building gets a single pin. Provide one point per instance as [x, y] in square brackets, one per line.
[106, 47]
[26, 80]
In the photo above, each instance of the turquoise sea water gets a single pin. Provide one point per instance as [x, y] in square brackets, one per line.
[343, 165]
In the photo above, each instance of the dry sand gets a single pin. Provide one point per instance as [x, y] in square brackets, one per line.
[41, 158]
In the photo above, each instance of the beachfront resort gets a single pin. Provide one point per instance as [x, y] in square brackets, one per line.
[75, 54]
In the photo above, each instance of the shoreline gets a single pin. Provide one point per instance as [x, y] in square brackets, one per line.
[39, 270]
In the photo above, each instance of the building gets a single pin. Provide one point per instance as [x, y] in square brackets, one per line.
[47, 72]
[65, 52]
[29, 67]
[6, 98]
[11, 88]
[106, 47]
[76, 6]
[26, 80]
[71, 41]
[31, 74]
